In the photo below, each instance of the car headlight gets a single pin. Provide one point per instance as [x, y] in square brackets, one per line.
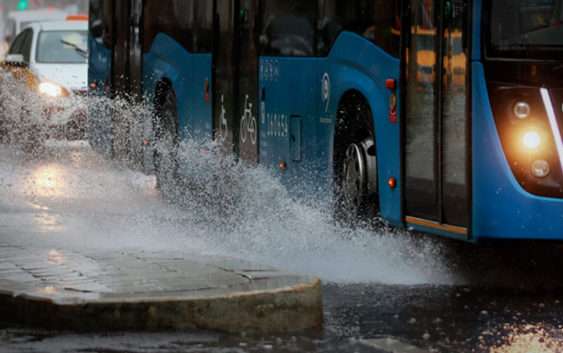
[50, 89]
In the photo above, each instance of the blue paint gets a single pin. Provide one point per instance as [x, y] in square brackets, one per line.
[289, 103]
[502, 209]
[188, 73]
[297, 126]
[354, 63]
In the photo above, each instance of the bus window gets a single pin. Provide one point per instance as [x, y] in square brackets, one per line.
[175, 19]
[203, 33]
[101, 22]
[454, 113]
[379, 21]
[530, 27]
[288, 28]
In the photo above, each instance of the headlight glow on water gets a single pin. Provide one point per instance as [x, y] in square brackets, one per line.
[50, 89]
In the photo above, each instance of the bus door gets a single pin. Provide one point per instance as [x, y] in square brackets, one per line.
[99, 74]
[134, 82]
[136, 50]
[248, 80]
[119, 78]
[224, 75]
[436, 145]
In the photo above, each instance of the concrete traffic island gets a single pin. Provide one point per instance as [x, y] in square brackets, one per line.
[107, 291]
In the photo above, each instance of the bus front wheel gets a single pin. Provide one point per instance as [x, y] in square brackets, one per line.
[355, 163]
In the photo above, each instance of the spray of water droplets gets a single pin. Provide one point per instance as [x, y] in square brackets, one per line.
[219, 206]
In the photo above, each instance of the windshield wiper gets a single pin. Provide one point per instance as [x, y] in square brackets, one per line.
[78, 49]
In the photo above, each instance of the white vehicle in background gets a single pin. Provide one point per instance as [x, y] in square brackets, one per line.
[50, 59]
[17, 21]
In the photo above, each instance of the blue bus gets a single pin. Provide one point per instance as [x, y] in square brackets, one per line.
[443, 116]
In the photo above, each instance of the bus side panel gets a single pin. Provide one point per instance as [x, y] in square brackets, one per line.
[200, 111]
[501, 207]
[290, 90]
[99, 113]
[357, 64]
[168, 60]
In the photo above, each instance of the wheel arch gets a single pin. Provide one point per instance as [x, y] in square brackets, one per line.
[351, 96]
[366, 75]
[354, 128]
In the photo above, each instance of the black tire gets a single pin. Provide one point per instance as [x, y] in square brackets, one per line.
[73, 131]
[32, 139]
[355, 163]
[4, 131]
[33, 145]
[166, 142]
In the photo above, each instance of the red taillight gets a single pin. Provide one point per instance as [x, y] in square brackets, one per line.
[391, 85]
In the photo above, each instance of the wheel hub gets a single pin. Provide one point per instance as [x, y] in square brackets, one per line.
[354, 177]
[359, 174]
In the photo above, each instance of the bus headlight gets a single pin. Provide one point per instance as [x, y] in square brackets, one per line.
[540, 169]
[531, 140]
[527, 138]
[521, 110]
[50, 89]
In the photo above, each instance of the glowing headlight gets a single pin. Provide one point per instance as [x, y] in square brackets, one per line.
[522, 110]
[531, 140]
[50, 89]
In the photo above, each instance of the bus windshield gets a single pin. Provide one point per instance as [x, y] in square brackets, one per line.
[531, 26]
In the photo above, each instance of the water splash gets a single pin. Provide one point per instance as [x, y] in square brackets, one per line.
[70, 197]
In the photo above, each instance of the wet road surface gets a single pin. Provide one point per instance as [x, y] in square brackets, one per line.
[382, 288]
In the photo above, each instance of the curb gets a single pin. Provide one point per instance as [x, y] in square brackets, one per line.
[284, 310]
[120, 291]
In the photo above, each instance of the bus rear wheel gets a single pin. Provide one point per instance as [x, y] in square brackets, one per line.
[355, 164]
[166, 142]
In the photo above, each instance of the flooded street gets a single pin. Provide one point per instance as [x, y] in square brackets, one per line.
[382, 288]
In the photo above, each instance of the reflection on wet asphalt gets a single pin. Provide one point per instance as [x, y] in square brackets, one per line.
[381, 287]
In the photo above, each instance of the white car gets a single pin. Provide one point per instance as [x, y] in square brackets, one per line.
[51, 58]
[19, 20]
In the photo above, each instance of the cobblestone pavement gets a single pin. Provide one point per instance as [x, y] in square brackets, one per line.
[50, 288]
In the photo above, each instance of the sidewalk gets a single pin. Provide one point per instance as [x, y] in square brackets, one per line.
[63, 290]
